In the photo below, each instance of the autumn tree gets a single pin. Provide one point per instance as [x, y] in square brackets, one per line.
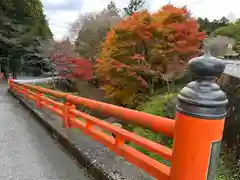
[65, 47]
[92, 32]
[59, 54]
[64, 61]
[95, 22]
[145, 49]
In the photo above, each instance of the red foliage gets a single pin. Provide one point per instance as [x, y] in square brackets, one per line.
[82, 68]
[182, 34]
[69, 67]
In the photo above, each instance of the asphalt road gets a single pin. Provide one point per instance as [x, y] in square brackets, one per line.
[27, 152]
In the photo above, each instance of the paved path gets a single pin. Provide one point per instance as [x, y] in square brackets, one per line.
[27, 152]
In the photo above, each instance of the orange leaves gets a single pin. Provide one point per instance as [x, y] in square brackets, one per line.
[169, 8]
[185, 36]
[145, 47]
[139, 25]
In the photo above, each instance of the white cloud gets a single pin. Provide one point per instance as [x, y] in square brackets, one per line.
[214, 9]
[62, 12]
[59, 22]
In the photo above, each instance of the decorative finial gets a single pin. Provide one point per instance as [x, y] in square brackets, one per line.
[206, 66]
[202, 97]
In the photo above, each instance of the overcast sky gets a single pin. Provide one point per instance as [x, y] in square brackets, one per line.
[61, 13]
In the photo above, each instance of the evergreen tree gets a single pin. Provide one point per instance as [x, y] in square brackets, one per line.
[133, 6]
[23, 26]
[112, 9]
[210, 26]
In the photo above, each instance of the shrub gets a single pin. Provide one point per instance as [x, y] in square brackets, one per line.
[156, 106]
[163, 106]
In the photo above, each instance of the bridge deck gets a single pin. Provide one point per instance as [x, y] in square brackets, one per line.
[26, 150]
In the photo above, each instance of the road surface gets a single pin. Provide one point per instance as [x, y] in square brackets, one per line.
[27, 152]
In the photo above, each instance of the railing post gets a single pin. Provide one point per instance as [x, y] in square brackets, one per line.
[67, 114]
[39, 98]
[201, 111]
[25, 90]
[117, 125]
[10, 82]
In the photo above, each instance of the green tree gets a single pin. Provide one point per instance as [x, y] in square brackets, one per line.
[232, 31]
[112, 9]
[10, 37]
[210, 26]
[30, 13]
[133, 6]
[23, 26]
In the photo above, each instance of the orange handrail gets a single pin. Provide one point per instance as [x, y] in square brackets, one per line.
[138, 140]
[117, 145]
[88, 124]
[44, 90]
[155, 123]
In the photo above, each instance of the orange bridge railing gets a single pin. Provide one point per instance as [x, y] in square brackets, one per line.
[196, 130]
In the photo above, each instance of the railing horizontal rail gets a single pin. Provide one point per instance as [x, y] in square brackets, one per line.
[154, 168]
[161, 150]
[45, 90]
[54, 103]
[32, 97]
[19, 89]
[48, 103]
[155, 123]
[31, 93]
[53, 109]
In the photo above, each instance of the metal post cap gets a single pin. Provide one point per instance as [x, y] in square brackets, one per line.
[203, 98]
[206, 66]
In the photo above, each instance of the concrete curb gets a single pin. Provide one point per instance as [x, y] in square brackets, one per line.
[98, 160]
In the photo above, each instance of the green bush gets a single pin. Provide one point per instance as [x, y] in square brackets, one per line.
[160, 105]
[164, 106]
